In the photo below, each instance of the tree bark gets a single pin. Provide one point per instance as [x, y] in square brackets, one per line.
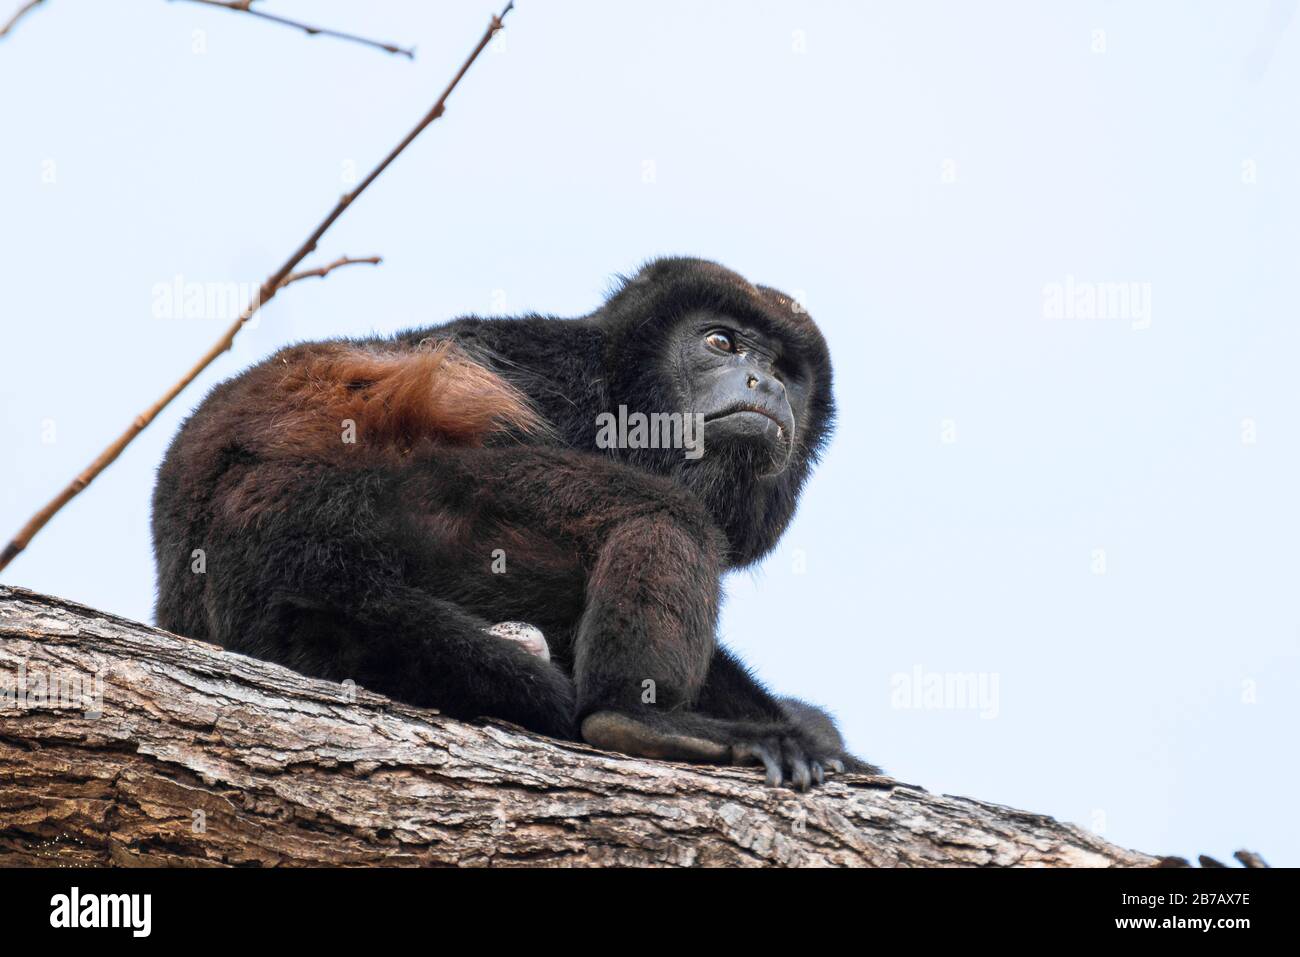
[122, 744]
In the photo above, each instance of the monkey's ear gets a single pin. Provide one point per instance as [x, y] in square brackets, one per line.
[612, 731]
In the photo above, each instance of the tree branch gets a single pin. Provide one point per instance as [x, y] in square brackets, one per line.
[178, 752]
[246, 6]
[268, 290]
[25, 9]
[324, 271]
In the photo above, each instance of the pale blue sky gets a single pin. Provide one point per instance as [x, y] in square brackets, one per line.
[918, 174]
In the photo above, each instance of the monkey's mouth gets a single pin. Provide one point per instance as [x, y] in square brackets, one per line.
[762, 430]
[750, 413]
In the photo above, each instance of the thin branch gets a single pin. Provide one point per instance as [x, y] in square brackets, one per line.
[25, 9]
[246, 6]
[269, 288]
[324, 271]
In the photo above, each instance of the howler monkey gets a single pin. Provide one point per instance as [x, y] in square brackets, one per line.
[369, 508]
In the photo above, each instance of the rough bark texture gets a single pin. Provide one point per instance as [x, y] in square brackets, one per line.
[202, 757]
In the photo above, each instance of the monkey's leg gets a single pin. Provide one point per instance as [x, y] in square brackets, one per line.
[424, 651]
[322, 584]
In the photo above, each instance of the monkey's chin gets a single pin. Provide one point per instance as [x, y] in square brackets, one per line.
[750, 442]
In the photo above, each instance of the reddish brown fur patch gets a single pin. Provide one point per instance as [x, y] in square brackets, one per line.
[395, 397]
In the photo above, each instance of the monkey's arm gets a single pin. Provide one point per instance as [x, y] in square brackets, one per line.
[648, 675]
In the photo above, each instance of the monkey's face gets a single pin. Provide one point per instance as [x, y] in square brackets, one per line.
[749, 392]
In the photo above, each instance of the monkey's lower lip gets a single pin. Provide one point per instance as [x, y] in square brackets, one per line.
[747, 411]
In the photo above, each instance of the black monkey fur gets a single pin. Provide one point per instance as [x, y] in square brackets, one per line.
[367, 508]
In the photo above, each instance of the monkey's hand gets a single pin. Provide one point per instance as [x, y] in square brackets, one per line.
[788, 752]
[820, 726]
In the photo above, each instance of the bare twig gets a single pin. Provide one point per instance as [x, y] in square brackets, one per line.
[25, 9]
[246, 6]
[324, 271]
[276, 282]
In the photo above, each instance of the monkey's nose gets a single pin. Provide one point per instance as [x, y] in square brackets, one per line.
[765, 384]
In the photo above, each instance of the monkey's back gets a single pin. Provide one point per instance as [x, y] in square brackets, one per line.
[315, 426]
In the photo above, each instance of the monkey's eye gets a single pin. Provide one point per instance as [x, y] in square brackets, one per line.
[720, 340]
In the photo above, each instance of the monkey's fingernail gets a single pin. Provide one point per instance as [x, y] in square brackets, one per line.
[774, 775]
[801, 776]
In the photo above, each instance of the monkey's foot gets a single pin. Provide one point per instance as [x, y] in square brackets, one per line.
[613, 731]
[787, 755]
[528, 637]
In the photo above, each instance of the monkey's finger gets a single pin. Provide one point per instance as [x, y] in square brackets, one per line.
[769, 755]
[819, 775]
[800, 775]
[836, 765]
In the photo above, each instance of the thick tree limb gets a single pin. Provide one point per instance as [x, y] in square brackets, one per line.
[192, 755]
